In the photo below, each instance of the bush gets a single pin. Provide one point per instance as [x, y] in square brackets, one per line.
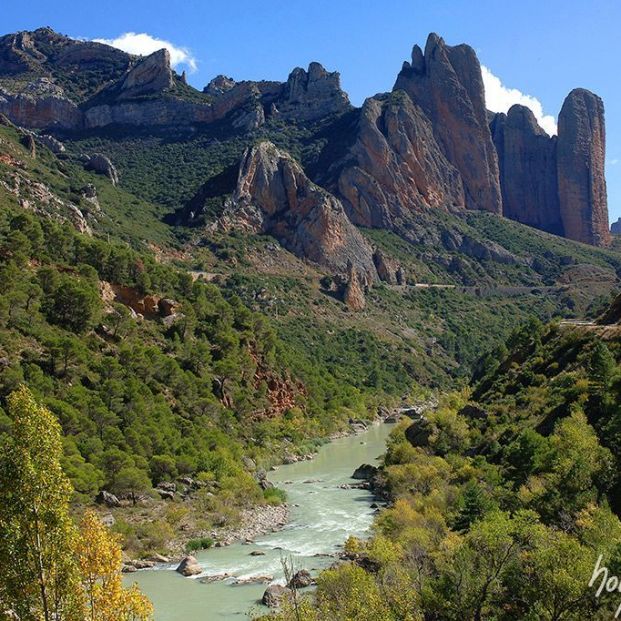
[274, 496]
[202, 543]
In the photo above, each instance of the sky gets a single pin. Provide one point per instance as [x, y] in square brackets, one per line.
[532, 52]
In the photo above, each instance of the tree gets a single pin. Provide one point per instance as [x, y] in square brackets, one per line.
[72, 305]
[474, 504]
[99, 558]
[38, 575]
[133, 481]
[48, 570]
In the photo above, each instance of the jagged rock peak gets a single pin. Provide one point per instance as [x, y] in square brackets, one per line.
[153, 74]
[274, 196]
[528, 170]
[219, 85]
[446, 82]
[313, 93]
[395, 166]
[581, 151]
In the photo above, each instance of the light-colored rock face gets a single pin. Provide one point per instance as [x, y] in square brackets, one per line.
[446, 83]
[151, 75]
[395, 165]
[275, 196]
[40, 111]
[581, 176]
[528, 175]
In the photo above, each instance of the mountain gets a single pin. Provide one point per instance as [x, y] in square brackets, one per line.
[430, 144]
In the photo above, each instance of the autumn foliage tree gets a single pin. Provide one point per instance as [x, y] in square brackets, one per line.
[38, 573]
[99, 560]
[49, 569]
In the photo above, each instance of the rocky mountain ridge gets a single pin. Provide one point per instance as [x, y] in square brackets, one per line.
[429, 144]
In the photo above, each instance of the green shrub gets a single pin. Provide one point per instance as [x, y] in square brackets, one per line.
[202, 543]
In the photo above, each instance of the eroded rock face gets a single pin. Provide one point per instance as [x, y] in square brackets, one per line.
[580, 159]
[312, 94]
[528, 175]
[354, 295]
[388, 269]
[615, 227]
[151, 75]
[446, 83]
[275, 196]
[42, 105]
[395, 165]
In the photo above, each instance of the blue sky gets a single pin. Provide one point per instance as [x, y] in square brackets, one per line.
[542, 48]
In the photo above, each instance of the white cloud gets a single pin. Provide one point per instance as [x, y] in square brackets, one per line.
[614, 162]
[499, 98]
[144, 44]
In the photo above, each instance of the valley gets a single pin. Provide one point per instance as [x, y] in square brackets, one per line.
[209, 298]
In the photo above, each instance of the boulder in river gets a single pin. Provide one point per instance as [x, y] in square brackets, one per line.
[189, 567]
[300, 580]
[274, 595]
[364, 472]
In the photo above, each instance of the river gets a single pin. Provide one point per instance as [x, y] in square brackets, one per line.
[322, 517]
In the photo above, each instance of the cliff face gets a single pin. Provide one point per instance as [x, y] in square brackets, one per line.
[556, 184]
[428, 144]
[446, 83]
[528, 175]
[274, 196]
[581, 179]
[395, 164]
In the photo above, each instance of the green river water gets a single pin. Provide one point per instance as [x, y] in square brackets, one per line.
[322, 517]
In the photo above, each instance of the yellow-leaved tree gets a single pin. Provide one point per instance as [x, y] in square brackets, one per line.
[45, 572]
[99, 558]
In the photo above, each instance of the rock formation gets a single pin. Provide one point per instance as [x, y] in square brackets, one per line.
[428, 144]
[395, 165]
[354, 295]
[101, 164]
[615, 227]
[312, 94]
[580, 159]
[446, 83]
[528, 176]
[274, 196]
[150, 76]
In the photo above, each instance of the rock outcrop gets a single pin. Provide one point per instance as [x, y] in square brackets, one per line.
[312, 94]
[354, 295]
[615, 227]
[395, 165]
[274, 196]
[102, 165]
[528, 175]
[151, 75]
[580, 159]
[446, 83]
[41, 104]
[388, 269]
